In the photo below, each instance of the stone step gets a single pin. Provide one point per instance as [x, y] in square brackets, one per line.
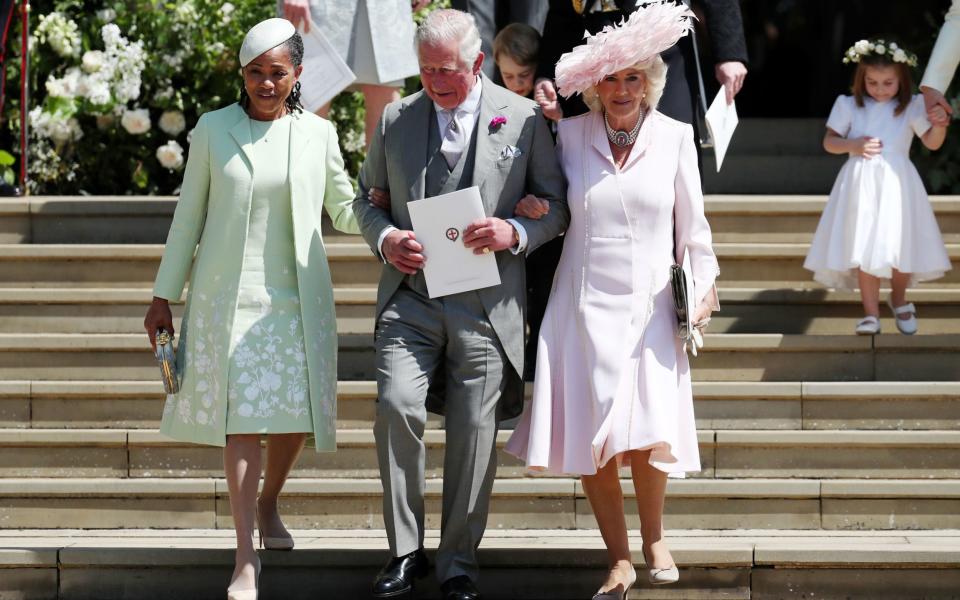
[867, 405]
[141, 453]
[725, 357]
[135, 265]
[794, 218]
[529, 564]
[744, 310]
[316, 503]
[827, 454]
[145, 220]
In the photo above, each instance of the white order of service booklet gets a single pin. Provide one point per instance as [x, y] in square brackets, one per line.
[721, 120]
[451, 267]
[325, 74]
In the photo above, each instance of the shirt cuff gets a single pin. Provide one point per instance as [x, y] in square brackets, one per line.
[383, 234]
[522, 244]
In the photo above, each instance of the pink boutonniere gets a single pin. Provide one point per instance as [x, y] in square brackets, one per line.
[497, 122]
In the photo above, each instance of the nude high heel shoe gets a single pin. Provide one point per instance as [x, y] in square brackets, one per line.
[247, 594]
[273, 543]
[614, 595]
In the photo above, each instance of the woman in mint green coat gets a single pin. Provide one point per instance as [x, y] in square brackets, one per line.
[258, 345]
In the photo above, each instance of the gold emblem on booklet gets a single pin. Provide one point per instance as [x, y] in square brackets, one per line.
[168, 362]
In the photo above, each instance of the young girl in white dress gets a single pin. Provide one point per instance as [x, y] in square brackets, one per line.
[878, 223]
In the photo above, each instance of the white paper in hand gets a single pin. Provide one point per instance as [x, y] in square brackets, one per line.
[451, 267]
[325, 74]
[721, 121]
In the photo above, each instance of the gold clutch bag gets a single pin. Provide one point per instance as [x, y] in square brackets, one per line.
[167, 360]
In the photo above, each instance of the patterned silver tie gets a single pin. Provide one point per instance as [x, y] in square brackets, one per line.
[454, 138]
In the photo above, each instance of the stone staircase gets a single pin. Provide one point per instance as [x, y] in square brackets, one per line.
[831, 461]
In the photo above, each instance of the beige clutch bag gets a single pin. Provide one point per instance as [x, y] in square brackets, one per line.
[167, 360]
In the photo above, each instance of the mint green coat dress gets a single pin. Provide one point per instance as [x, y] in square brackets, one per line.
[212, 220]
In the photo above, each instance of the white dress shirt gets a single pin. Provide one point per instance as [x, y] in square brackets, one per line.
[466, 115]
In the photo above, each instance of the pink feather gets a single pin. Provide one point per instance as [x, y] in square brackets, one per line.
[648, 32]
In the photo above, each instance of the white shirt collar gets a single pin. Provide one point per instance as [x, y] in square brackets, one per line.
[470, 104]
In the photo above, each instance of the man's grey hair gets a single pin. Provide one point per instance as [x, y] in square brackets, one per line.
[444, 25]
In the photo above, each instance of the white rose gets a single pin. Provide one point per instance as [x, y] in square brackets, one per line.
[899, 55]
[880, 49]
[136, 121]
[93, 60]
[893, 46]
[107, 15]
[170, 155]
[172, 122]
[862, 47]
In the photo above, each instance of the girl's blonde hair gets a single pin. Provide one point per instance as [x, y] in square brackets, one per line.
[655, 75]
[859, 88]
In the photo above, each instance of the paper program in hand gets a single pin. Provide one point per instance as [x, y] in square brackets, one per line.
[451, 267]
[721, 121]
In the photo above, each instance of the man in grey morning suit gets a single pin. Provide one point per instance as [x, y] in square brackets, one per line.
[460, 354]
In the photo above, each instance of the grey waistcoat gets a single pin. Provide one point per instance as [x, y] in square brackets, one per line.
[439, 179]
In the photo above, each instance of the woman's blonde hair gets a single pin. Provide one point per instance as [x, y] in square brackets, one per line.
[654, 73]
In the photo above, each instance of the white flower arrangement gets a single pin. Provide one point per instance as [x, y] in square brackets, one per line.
[172, 122]
[136, 121]
[170, 155]
[227, 11]
[58, 127]
[67, 86]
[879, 48]
[62, 34]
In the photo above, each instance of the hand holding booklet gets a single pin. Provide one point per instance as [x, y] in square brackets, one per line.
[450, 266]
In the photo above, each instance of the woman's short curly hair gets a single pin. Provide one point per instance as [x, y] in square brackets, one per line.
[654, 72]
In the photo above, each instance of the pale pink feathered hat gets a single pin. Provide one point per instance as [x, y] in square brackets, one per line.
[647, 32]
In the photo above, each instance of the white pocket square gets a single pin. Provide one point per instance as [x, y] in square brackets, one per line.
[510, 152]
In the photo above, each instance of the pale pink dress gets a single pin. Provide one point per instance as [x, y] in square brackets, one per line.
[611, 373]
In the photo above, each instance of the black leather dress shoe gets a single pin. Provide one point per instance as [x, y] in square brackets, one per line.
[459, 588]
[395, 579]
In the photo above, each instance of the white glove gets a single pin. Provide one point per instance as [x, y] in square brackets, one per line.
[695, 340]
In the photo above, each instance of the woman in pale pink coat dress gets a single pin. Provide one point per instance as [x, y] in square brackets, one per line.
[613, 381]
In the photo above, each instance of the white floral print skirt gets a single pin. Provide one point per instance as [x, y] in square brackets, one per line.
[267, 384]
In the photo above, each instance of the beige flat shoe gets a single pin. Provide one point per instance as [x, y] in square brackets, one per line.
[664, 576]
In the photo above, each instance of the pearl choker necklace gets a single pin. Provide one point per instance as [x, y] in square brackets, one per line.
[623, 138]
